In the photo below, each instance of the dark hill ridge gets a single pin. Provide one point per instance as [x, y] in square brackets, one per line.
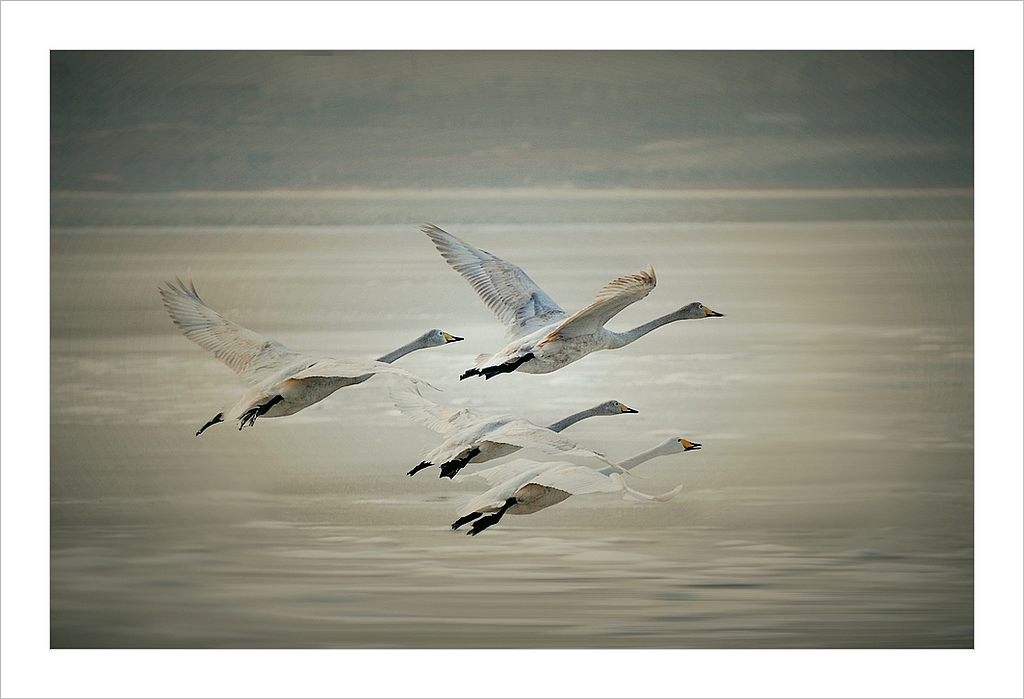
[168, 121]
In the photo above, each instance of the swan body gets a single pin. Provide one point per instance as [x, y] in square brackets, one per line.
[541, 337]
[282, 381]
[472, 437]
[522, 487]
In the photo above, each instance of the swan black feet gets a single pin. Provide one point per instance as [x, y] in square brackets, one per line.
[422, 465]
[489, 372]
[219, 417]
[248, 418]
[449, 469]
[490, 520]
[468, 518]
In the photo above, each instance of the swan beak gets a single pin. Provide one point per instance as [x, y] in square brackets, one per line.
[708, 313]
[451, 338]
[688, 445]
[627, 409]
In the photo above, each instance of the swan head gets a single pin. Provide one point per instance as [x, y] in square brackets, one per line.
[436, 338]
[697, 309]
[678, 444]
[613, 407]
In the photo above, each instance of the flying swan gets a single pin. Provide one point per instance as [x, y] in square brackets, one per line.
[472, 437]
[522, 487]
[282, 381]
[541, 336]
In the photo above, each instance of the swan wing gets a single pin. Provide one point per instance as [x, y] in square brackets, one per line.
[612, 299]
[506, 480]
[245, 352]
[520, 470]
[440, 418]
[578, 480]
[489, 501]
[354, 368]
[523, 433]
[514, 298]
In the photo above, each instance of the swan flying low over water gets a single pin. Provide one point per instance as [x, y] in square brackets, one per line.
[282, 381]
[472, 437]
[522, 487]
[541, 336]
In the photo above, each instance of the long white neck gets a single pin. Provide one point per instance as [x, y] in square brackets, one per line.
[665, 449]
[622, 339]
[574, 418]
[418, 343]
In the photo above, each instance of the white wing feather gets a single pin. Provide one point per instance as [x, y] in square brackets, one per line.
[523, 433]
[464, 428]
[521, 473]
[353, 368]
[247, 353]
[514, 298]
[611, 300]
[440, 418]
[496, 475]
[578, 480]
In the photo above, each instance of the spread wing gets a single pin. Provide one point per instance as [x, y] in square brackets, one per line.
[519, 469]
[523, 433]
[247, 353]
[354, 368]
[612, 299]
[514, 298]
[578, 480]
[506, 479]
[440, 418]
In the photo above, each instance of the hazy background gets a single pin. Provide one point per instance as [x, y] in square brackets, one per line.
[553, 123]
[822, 200]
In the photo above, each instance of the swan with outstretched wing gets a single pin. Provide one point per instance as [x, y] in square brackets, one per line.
[541, 336]
[281, 380]
[522, 487]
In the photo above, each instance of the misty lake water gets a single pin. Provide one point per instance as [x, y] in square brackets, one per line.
[831, 505]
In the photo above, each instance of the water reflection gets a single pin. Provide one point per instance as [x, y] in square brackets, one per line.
[832, 505]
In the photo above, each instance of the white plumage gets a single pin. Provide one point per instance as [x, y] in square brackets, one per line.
[541, 336]
[522, 487]
[282, 381]
[473, 437]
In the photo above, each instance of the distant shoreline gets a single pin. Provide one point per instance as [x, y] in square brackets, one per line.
[533, 193]
[514, 206]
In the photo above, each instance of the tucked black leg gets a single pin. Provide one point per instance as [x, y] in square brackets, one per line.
[449, 469]
[489, 520]
[468, 518]
[506, 368]
[248, 418]
[417, 469]
[219, 417]
[491, 371]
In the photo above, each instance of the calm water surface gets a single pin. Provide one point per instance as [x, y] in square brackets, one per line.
[832, 504]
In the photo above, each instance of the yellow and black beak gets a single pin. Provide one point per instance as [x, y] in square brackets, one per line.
[688, 445]
[711, 314]
[451, 338]
[627, 409]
